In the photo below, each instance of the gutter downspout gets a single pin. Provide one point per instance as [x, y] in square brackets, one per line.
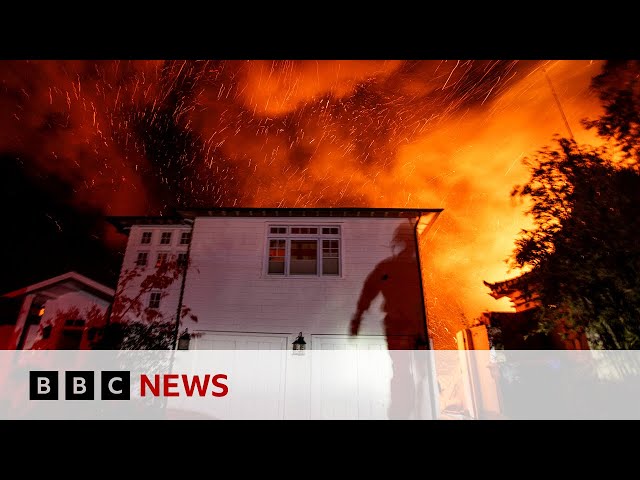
[184, 281]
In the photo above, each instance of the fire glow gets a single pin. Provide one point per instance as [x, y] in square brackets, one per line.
[136, 137]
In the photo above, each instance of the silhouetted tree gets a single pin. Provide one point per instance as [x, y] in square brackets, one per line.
[584, 250]
[133, 325]
[618, 87]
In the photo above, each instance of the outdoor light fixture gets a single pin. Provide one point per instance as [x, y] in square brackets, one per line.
[184, 340]
[299, 345]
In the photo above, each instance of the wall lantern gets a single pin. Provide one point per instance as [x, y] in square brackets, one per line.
[184, 340]
[299, 345]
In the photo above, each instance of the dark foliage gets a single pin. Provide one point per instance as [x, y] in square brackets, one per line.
[584, 250]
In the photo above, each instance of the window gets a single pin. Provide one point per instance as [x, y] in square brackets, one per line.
[304, 230]
[330, 257]
[302, 250]
[74, 323]
[154, 300]
[277, 249]
[141, 261]
[92, 333]
[162, 258]
[46, 331]
[146, 238]
[71, 336]
[182, 259]
[185, 238]
[165, 238]
[304, 257]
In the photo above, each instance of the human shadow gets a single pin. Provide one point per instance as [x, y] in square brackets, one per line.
[397, 279]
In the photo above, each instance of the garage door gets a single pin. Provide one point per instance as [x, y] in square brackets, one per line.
[348, 386]
[352, 378]
[256, 372]
[208, 340]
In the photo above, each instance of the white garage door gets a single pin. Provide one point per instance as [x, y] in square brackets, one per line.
[345, 386]
[256, 372]
[208, 340]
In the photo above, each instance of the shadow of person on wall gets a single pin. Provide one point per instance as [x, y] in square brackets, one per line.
[397, 278]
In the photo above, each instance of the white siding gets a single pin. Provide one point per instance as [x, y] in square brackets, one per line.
[55, 309]
[227, 288]
[169, 304]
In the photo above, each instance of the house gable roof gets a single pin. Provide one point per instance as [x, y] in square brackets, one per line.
[65, 283]
[506, 288]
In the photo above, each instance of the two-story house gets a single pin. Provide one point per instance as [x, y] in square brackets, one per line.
[257, 278]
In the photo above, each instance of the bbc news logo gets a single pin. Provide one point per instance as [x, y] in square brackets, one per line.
[80, 385]
[116, 385]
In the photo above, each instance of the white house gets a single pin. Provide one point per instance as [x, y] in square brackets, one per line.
[63, 312]
[257, 277]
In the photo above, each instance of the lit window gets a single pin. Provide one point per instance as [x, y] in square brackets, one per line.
[185, 238]
[154, 300]
[182, 259]
[304, 250]
[162, 258]
[277, 249]
[141, 261]
[165, 238]
[146, 238]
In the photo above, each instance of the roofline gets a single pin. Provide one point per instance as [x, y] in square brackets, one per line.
[504, 287]
[96, 287]
[124, 223]
[184, 216]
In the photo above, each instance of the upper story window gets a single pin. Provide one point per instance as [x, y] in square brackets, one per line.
[303, 250]
[142, 259]
[182, 259]
[154, 300]
[146, 238]
[163, 257]
[165, 238]
[330, 257]
[185, 238]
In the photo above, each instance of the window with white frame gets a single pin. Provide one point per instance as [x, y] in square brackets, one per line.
[182, 259]
[165, 238]
[154, 299]
[303, 250]
[146, 238]
[185, 238]
[141, 260]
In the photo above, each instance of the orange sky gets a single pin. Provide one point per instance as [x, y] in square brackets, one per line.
[136, 137]
[463, 157]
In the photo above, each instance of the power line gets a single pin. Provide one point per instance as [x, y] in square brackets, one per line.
[553, 91]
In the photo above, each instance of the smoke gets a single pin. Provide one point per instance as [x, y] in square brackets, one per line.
[138, 137]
